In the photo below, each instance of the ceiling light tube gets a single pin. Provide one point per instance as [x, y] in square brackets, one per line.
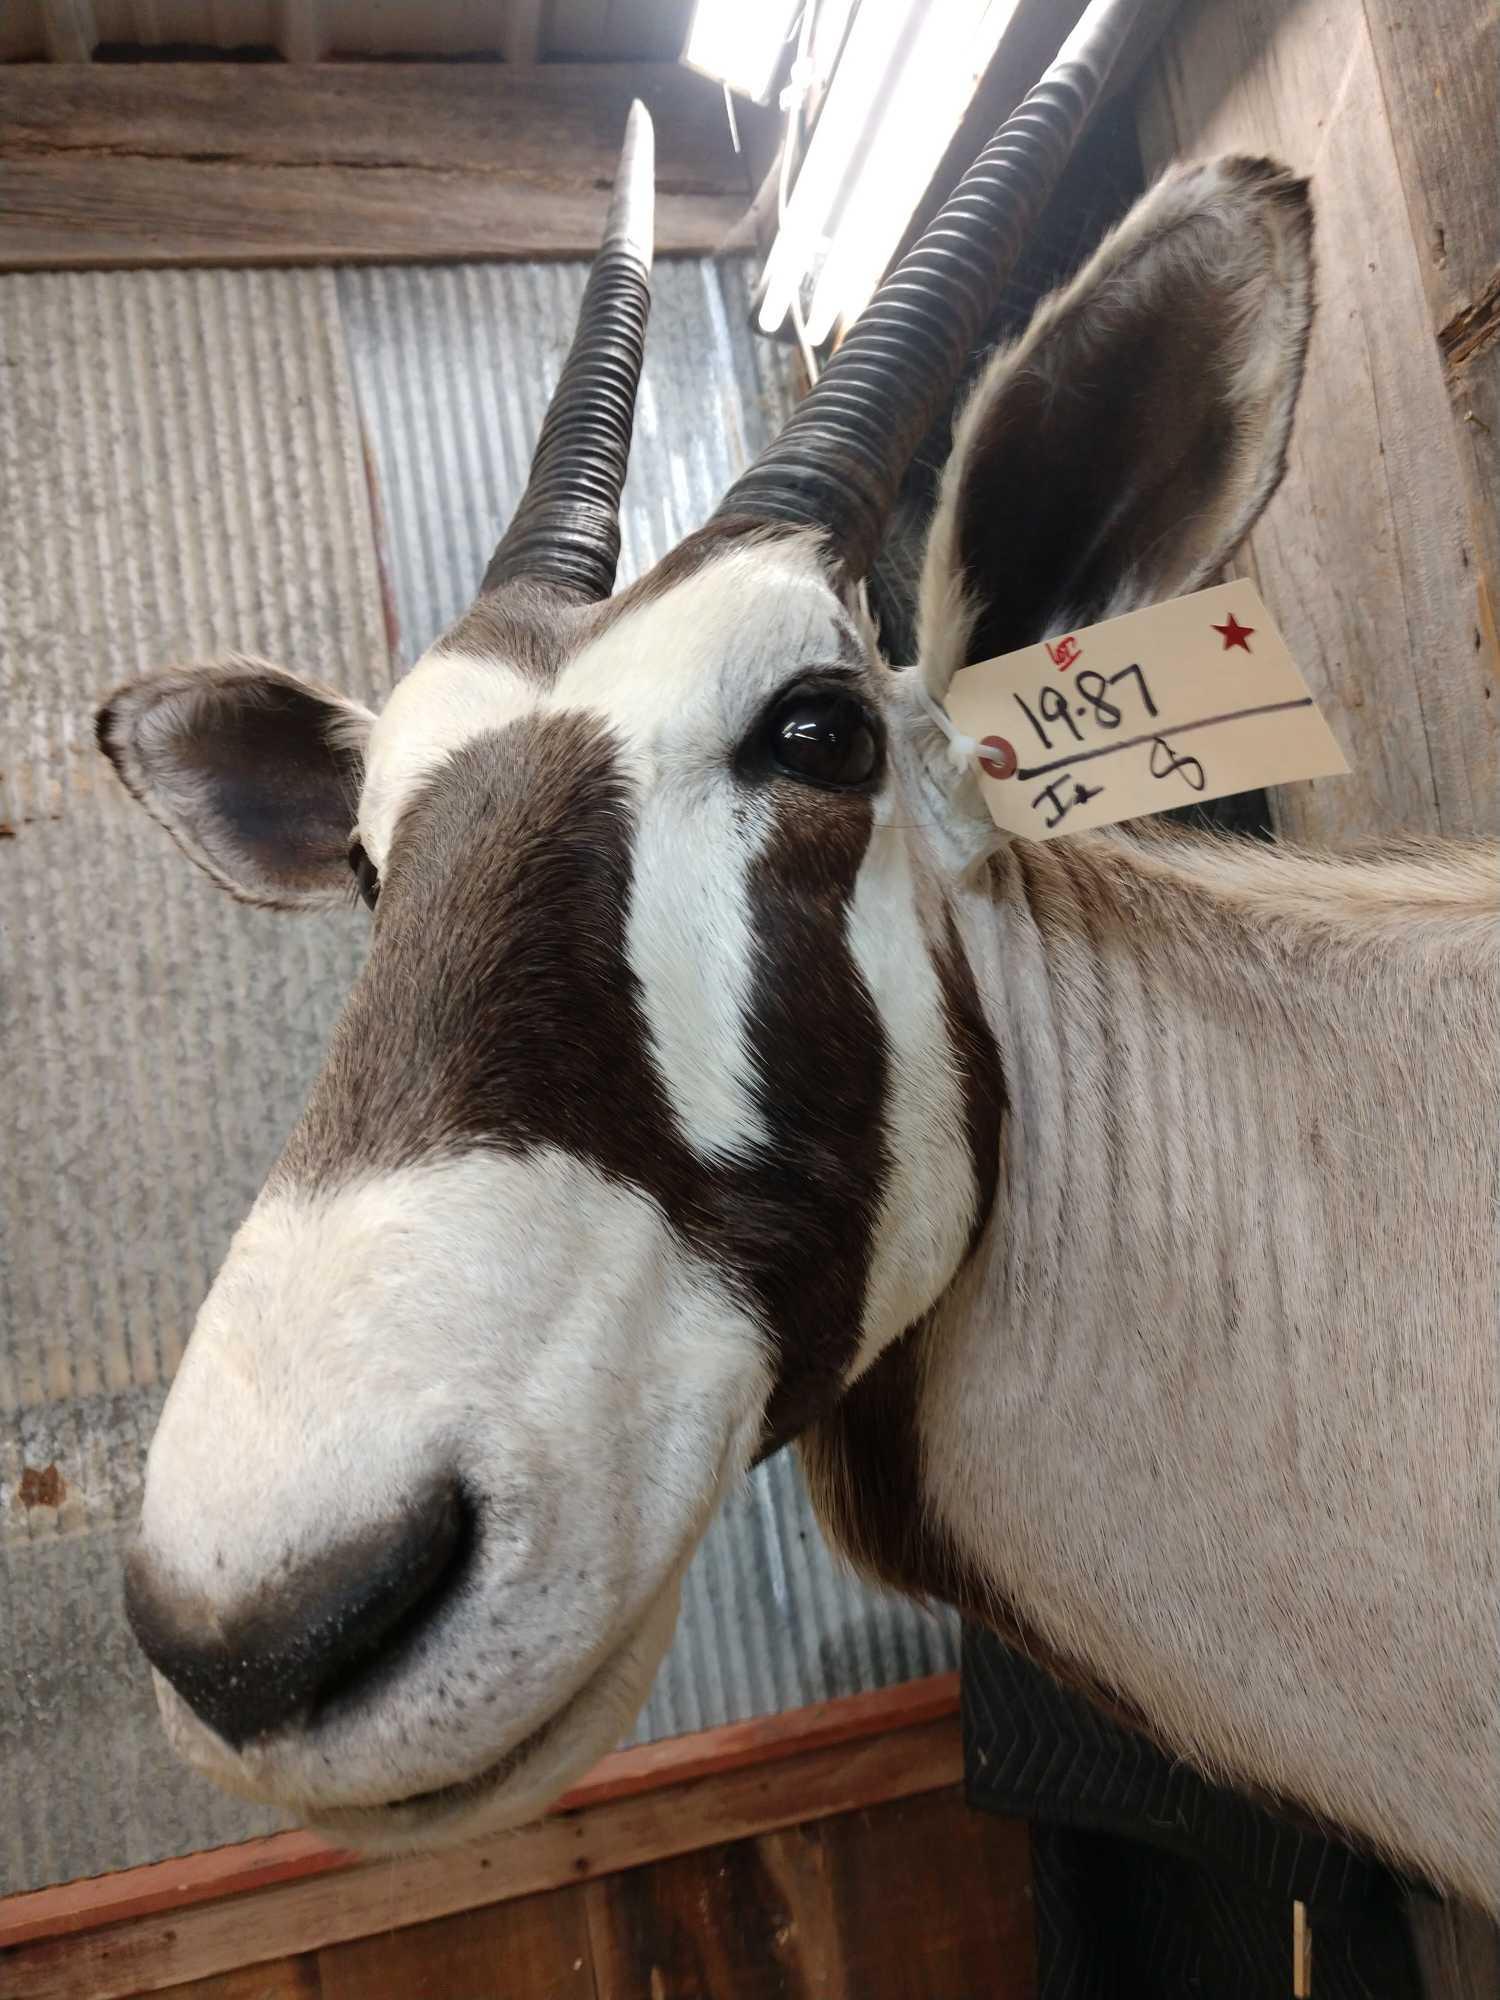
[739, 42]
[905, 78]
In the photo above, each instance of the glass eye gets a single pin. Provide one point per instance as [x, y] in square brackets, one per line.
[825, 738]
[366, 878]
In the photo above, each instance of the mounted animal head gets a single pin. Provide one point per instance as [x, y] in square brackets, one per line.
[665, 1099]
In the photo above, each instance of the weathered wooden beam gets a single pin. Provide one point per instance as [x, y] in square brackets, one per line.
[199, 163]
[521, 31]
[1381, 554]
[1371, 556]
[1440, 72]
[298, 31]
[245, 1866]
[69, 30]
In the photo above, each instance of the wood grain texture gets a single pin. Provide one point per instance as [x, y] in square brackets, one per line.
[1439, 67]
[954, 1890]
[915, 1901]
[714, 1924]
[534, 1949]
[1367, 556]
[163, 1950]
[297, 30]
[920, 1899]
[297, 1978]
[1440, 70]
[1381, 554]
[69, 30]
[216, 1873]
[521, 31]
[186, 163]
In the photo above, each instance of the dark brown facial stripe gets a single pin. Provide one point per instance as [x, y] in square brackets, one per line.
[499, 1008]
[818, 1042]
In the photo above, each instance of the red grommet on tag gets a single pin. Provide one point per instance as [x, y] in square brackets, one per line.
[1002, 762]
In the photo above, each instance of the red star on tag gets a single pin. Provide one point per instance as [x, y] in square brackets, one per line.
[1235, 634]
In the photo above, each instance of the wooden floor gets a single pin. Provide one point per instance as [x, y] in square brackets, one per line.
[919, 1900]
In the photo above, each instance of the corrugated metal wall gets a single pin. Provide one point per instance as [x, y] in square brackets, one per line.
[186, 464]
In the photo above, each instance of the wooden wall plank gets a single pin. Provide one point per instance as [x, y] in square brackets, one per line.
[534, 1949]
[69, 30]
[1439, 68]
[1381, 554]
[297, 30]
[919, 1900]
[521, 31]
[960, 1884]
[65, 217]
[163, 1950]
[1367, 554]
[565, 119]
[210, 162]
[717, 1925]
[296, 1978]
[251, 1865]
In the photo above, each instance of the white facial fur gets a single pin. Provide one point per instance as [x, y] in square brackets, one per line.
[525, 1325]
[679, 683]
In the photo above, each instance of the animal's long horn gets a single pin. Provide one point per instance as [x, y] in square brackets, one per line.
[840, 458]
[566, 531]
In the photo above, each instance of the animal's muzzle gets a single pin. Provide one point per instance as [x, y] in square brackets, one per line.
[309, 1637]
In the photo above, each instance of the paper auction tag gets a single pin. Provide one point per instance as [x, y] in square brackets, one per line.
[1181, 702]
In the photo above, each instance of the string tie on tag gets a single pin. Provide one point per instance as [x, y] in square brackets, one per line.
[963, 750]
[992, 754]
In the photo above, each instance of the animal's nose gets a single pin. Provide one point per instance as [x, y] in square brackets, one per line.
[251, 1665]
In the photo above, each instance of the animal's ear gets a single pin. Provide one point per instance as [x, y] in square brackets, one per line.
[1118, 453]
[254, 773]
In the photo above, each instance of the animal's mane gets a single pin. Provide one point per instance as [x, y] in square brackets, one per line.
[1407, 881]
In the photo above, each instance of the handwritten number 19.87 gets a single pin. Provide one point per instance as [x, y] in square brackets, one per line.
[1052, 703]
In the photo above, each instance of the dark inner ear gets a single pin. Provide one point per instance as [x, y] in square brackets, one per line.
[286, 793]
[1098, 457]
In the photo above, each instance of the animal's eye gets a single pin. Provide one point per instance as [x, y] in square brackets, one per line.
[824, 737]
[366, 877]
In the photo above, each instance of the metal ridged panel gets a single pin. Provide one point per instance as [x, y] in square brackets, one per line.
[182, 472]
[454, 365]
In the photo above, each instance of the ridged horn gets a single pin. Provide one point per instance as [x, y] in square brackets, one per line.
[840, 458]
[566, 530]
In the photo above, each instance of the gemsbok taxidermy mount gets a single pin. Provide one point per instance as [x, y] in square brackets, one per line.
[1111, 1222]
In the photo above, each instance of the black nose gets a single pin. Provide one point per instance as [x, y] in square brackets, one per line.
[251, 1666]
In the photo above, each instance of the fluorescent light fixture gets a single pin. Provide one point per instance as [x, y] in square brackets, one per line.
[904, 80]
[739, 42]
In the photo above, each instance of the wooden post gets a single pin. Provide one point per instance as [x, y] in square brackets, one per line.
[1380, 556]
[521, 31]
